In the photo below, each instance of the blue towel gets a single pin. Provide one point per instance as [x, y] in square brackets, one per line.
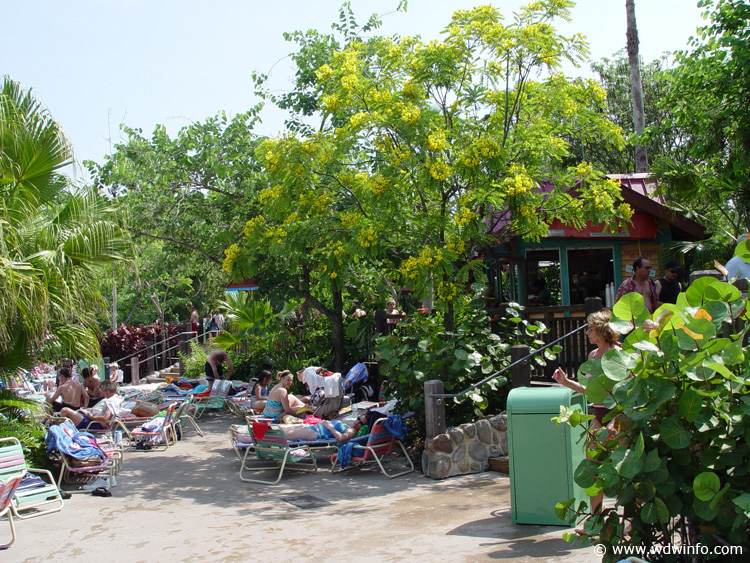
[68, 440]
[345, 454]
[396, 427]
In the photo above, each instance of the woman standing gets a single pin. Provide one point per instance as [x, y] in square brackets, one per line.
[605, 339]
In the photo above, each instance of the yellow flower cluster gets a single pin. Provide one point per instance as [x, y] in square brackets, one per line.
[436, 140]
[319, 201]
[455, 245]
[464, 216]
[447, 291]
[331, 102]
[324, 73]
[378, 184]
[308, 146]
[383, 142]
[278, 235]
[291, 218]
[488, 148]
[397, 155]
[430, 257]
[408, 268]
[584, 169]
[411, 90]
[526, 211]
[470, 159]
[350, 82]
[517, 182]
[439, 170]
[366, 237]
[410, 114]
[269, 195]
[359, 118]
[231, 255]
[254, 226]
[267, 151]
[349, 219]
[381, 96]
[625, 210]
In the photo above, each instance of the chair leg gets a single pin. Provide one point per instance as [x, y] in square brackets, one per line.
[12, 531]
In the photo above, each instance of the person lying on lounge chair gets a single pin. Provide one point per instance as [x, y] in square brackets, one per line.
[280, 401]
[102, 412]
[326, 430]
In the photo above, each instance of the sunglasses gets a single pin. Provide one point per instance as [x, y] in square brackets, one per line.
[646, 267]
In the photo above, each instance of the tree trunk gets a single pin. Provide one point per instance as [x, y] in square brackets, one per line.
[636, 88]
[337, 322]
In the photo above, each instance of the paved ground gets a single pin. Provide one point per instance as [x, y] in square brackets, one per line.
[187, 504]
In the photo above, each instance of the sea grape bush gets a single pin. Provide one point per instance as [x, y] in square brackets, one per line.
[679, 466]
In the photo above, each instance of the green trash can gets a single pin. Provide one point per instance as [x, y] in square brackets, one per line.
[543, 455]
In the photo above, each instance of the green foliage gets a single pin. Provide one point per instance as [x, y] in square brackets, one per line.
[195, 361]
[31, 434]
[678, 467]
[421, 349]
[418, 145]
[708, 95]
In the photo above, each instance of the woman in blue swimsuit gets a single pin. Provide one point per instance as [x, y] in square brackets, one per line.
[280, 401]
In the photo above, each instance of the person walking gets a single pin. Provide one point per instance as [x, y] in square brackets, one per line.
[668, 287]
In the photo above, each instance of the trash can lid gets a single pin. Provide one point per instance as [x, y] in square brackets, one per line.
[542, 400]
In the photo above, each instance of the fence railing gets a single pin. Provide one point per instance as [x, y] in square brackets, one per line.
[521, 371]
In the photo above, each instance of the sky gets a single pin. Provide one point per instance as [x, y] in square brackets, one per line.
[97, 64]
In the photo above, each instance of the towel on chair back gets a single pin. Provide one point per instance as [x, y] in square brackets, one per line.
[67, 439]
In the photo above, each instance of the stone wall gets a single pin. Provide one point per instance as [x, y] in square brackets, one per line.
[466, 449]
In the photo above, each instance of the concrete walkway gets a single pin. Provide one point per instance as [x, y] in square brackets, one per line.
[187, 504]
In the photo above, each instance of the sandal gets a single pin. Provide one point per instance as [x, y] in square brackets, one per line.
[101, 492]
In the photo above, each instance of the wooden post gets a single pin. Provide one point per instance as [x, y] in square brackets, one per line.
[183, 348]
[151, 352]
[705, 273]
[434, 408]
[520, 375]
[592, 305]
[135, 376]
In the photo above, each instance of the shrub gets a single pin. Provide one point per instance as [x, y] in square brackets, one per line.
[195, 362]
[31, 434]
[679, 468]
[420, 349]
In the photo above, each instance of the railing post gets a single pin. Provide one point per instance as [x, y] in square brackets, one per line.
[135, 376]
[151, 351]
[592, 305]
[434, 408]
[105, 371]
[520, 375]
[183, 349]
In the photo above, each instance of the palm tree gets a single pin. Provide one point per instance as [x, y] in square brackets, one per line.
[636, 87]
[54, 237]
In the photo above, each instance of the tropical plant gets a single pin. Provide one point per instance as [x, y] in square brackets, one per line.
[195, 361]
[53, 240]
[679, 466]
[420, 349]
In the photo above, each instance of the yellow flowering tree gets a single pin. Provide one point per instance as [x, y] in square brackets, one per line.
[425, 152]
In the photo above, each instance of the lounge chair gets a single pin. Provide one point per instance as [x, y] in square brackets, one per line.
[215, 399]
[271, 448]
[163, 433]
[82, 458]
[36, 496]
[183, 414]
[379, 444]
[8, 486]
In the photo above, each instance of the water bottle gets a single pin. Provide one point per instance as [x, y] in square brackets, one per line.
[118, 437]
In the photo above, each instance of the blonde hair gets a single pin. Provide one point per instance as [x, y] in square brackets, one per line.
[599, 323]
[108, 385]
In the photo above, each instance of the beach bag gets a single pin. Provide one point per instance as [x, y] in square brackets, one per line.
[144, 409]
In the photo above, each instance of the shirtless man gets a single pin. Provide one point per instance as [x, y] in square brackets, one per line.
[91, 383]
[73, 394]
[641, 283]
[214, 366]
